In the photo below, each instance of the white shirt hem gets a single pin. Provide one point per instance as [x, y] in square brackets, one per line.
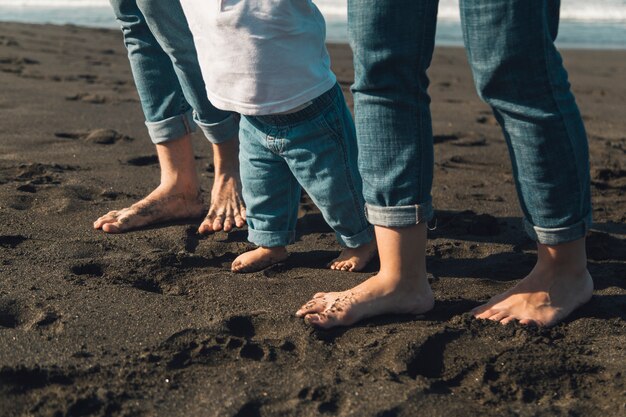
[275, 107]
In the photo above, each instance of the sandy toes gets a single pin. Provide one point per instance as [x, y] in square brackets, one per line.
[538, 300]
[371, 298]
[157, 207]
[354, 259]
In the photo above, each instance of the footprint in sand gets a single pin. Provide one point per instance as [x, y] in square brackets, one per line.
[8, 41]
[87, 98]
[16, 314]
[141, 161]
[15, 65]
[470, 139]
[444, 138]
[97, 136]
[11, 241]
[487, 118]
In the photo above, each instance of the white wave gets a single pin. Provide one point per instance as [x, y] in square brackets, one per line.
[53, 3]
[580, 10]
[336, 10]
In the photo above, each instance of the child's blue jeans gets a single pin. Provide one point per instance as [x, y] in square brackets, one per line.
[314, 149]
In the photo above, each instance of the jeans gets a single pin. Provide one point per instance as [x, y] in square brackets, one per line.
[313, 148]
[517, 71]
[165, 67]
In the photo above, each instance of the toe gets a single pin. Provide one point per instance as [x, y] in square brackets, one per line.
[319, 295]
[506, 320]
[112, 227]
[207, 226]
[239, 220]
[479, 311]
[107, 218]
[312, 319]
[218, 223]
[312, 307]
[236, 266]
[324, 320]
[499, 316]
[528, 322]
[486, 314]
[228, 224]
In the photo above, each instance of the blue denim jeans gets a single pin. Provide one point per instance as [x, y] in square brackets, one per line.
[313, 148]
[165, 67]
[517, 70]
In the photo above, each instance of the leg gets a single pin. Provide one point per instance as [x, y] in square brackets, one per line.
[169, 25]
[393, 44]
[320, 149]
[271, 194]
[168, 123]
[521, 75]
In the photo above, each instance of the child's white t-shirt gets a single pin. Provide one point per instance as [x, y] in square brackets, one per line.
[260, 57]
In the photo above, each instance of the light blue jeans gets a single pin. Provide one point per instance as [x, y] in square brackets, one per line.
[315, 149]
[517, 70]
[165, 67]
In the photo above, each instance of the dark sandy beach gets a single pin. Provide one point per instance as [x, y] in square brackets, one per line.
[152, 323]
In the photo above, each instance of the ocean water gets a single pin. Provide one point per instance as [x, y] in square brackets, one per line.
[599, 24]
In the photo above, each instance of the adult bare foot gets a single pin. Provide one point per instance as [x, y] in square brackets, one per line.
[401, 286]
[258, 259]
[354, 259]
[378, 295]
[227, 208]
[558, 284]
[176, 197]
[163, 204]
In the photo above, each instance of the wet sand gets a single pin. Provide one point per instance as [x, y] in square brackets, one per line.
[152, 323]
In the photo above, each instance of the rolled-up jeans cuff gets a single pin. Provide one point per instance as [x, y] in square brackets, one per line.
[219, 132]
[357, 240]
[558, 235]
[170, 129]
[271, 239]
[399, 216]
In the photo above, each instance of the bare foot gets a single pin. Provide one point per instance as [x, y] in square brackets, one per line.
[162, 204]
[227, 208]
[258, 259]
[354, 259]
[176, 198]
[401, 286]
[378, 295]
[557, 285]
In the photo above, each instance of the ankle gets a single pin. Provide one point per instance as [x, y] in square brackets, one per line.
[414, 282]
[568, 257]
[274, 250]
[177, 185]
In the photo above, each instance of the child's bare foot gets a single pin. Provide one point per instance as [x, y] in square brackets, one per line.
[354, 259]
[378, 295]
[162, 204]
[556, 286]
[258, 259]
